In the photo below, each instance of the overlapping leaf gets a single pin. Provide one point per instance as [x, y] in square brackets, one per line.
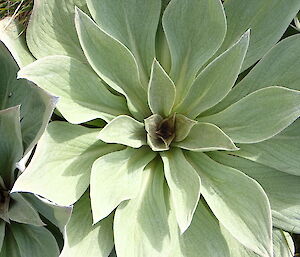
[191, 48]
[73, 151]
[281, 188]
[141, 224]
[113, 62]
[184, 186]
[116, 177]
[258, 116]
[79, 101]
[134, 23]
[84, 239]
[232, 197]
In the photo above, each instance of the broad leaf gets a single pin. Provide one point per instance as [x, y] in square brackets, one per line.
[194, 30]
[2, 232]
[267, 20]
[282, 189]
[258, 116]
[10, 247]
[13, 38]
[40, 240]
[67, 78]
[282, 242]
[204, 226]
[205, 137]
[113, 62]
[215, 81]
[232, 196]
[134, 23]
[161, 91]
[184, 184]
[268, 72]
[82, 238]
[11, 148]
[51, 30]
[183, 126]
[20, 210]
[65, 152]
[280, 152]
[36, 105]
[58, 215]
[141, 225]
[116, 177]
[124, 130]
[161, 45]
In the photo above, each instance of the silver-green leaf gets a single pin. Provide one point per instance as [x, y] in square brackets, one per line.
[161, 91]
[215, 81]
[232, 196]
[134, 23]
[258, 116]
[116, 177]
[79, 101]
[82, 238]
[205, 137]
[194, 30]
[140, 224]
[113, 62]
[124, 130]
[65, 152]
[184, 184]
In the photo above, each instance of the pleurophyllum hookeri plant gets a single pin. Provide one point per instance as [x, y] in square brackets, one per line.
[25, 110]
[194, 160]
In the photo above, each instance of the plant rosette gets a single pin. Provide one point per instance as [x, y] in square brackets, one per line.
[194, 160]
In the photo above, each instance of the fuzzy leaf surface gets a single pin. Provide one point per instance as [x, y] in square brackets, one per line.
[116, 177]
[281, 188]
[268, 72]
[220, 187]
[161, 91]
[215, 81]
[65, 152]
[14, 40]
[191, 48]
[280, 152]
[184, 184]
[267, 20]
[205, 137]
[67, 78]
[124, 130]
[141, 225]
[204, 225]
[258, 116]
[22, 211]
[82, 238]
[41, 241]
[51, 29]
[113, 62]
[134, 23]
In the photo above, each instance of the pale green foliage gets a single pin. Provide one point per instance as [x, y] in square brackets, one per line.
[189, 164]
[25, 111]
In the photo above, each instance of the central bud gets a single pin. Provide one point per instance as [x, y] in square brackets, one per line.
[165, 129]
[161, 132]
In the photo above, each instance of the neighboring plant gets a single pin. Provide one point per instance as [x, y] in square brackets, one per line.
[24, 113]
[189, 164]
[25, 110]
